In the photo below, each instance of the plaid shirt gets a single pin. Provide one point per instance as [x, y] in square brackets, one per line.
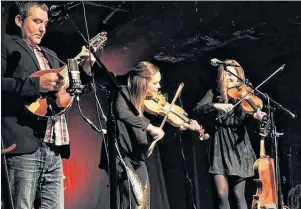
[56, 129]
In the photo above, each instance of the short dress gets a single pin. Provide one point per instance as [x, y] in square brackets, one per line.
[230, 150]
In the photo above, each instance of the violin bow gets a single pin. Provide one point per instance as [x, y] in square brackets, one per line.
[153, 144]
[256, 88]
[237, 103]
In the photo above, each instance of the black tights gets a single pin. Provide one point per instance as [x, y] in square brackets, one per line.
[236, 185]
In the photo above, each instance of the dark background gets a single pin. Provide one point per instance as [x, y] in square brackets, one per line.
[181, 38]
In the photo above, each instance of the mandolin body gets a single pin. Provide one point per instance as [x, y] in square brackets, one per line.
[51, 103]
[56, 103]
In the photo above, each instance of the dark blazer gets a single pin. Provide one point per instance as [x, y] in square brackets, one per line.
[20, 126]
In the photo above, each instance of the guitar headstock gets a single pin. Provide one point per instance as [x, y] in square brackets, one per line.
[264, 126]
[99, 41]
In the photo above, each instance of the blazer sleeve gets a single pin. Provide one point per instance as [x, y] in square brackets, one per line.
[24, 86]
[125, 114]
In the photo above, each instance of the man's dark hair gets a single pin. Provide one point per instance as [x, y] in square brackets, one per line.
[24, 6]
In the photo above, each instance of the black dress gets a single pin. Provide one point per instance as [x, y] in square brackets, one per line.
[133, 146]
[230, 151]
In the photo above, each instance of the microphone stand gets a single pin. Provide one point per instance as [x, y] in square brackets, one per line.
[118, 9]
[60, 15]
[274, 134]
[111, 123]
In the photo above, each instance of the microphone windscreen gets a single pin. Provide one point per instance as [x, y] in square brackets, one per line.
[214, 62]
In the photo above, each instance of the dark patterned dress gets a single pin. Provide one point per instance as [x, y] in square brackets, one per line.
[230, 151]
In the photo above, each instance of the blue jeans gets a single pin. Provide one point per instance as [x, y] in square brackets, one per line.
[37, 179]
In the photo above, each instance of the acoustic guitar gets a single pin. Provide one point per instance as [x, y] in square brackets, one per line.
[56, 103]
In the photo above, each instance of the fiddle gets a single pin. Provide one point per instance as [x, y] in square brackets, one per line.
[157, 105]
[266, 195]
[249, 102]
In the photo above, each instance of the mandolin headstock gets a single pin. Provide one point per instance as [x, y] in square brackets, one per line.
[99, 41]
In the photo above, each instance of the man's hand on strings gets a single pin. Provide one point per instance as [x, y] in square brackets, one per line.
[51, 82]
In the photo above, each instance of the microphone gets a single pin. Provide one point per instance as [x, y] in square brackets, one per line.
[216, 62]
[56, 10]
[75, 83]
[105, 21]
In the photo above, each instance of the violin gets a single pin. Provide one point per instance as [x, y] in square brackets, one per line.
[177, 116]
[264, 167]
[249, 102]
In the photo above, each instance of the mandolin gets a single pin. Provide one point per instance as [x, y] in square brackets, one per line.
[56, 103]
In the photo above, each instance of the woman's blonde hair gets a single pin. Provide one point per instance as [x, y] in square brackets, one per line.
[222, 82]
[138, 81]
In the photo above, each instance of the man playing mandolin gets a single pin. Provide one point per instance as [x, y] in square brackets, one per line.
[35, 166]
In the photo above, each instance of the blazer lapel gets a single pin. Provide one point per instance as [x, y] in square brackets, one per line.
[28, 50]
